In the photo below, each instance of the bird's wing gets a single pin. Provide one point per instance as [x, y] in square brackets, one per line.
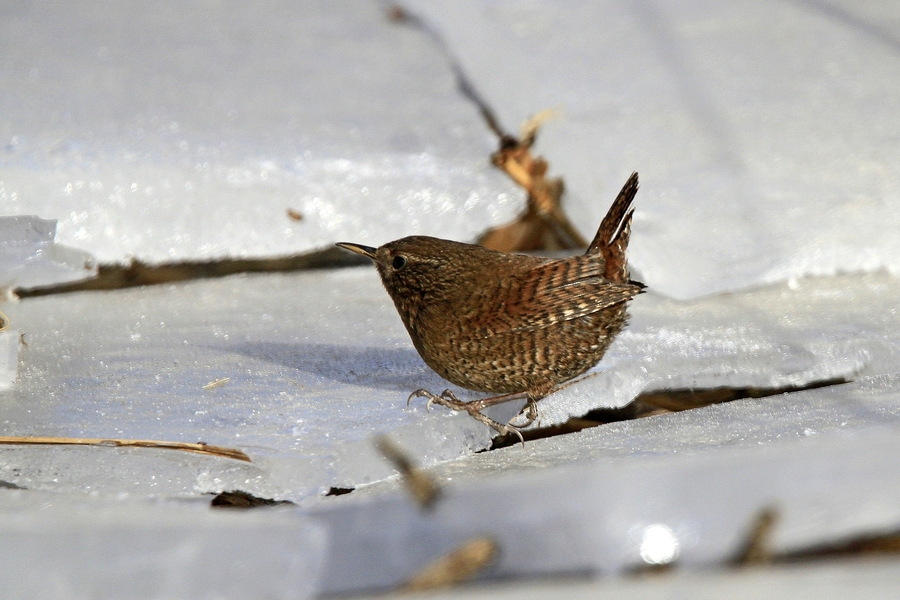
[558, 290]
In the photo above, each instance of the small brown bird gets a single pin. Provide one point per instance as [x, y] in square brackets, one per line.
[509, 324]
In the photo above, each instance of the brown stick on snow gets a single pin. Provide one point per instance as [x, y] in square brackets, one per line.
[199, 448]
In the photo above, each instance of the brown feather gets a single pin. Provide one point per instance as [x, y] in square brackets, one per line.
[612, 237]
[499, 322]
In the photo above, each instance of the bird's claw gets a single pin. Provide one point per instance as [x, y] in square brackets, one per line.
[449, 400]
[420, 393]
[530, 412]
[509, 429]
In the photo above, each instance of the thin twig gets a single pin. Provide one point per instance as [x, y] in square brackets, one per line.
[756, 549]
[199, 448]
[420, 484]
[459, 566]
[217, 383]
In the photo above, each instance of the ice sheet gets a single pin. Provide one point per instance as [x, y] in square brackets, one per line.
[187, 132]
[765, 145]
[833, 580]
[9, 357]
[765, 148]
[851, 410]
[594, 517]
[765, 137]
[786, 335]
[30, 256]
[63, 547]
[319, 363]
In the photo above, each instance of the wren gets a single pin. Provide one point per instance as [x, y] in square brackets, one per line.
[510, 324]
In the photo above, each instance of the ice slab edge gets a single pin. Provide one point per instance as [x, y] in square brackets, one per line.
[9, 357]
[603, 514]
[67, 548]
[30, 257]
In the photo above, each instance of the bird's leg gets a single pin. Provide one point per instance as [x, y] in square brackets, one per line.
[474, 408]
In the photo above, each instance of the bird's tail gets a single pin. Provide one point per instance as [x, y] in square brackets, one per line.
[611, 240]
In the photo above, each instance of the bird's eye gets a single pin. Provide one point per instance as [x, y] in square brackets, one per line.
[399, 262]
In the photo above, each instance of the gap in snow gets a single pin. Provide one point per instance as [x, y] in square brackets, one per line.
[660, 402]
[136, 274]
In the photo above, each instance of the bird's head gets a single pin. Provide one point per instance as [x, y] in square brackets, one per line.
[419, 268]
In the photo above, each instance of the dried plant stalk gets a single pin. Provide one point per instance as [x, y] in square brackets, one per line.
[543, 225]
[756, 549]
[217, 383]
[420, 484]
[454, 568]
[199, 448]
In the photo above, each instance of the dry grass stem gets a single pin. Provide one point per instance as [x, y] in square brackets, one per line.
[454, 568]
[217, 383]
[543, 225]
[420, 484]
[199, 448]
[756, 549]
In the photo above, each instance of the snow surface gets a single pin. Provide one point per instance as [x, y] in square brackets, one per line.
[9, 357]
[766, 144]
[766, 149]
[58, 546]
[29, 256]
[765, 133]
[785, 335]
[187, 132]
[318, 363]
[833, 580]
[592, 517]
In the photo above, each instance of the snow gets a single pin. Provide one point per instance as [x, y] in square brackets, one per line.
[187, 132]
[765, 137]
[832, 580]
[592, 517]
[29, 256]
[68, 547]
[766, 231]
[9, 357]
[780, 336]
[319, 363]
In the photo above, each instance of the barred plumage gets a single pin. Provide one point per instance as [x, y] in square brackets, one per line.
[505, 323]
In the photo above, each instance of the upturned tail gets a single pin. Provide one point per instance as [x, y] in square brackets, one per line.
[611, 240]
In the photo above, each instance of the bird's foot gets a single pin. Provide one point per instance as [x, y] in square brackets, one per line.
[449, 400]
[529, 412]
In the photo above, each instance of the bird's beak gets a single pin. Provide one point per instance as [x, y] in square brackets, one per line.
[364, 250]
